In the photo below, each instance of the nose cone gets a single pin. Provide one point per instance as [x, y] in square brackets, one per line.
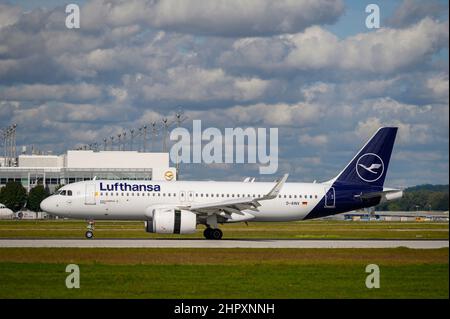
[46, 205]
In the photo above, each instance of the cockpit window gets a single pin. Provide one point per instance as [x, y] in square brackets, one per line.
[63, 193]
[69, 193]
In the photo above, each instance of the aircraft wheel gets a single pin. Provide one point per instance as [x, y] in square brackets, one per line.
[89, 234]
[207, 233]
[216, 234]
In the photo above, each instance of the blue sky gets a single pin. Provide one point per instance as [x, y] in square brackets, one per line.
[311, 69]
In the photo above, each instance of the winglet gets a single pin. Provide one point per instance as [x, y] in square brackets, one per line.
[276, 189]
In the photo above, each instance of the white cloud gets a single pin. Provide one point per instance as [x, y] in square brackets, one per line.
[40, 92]
[381, 52]
[317, 140]
[411, 11]
[220, 18]
[9, 15]
[199, 84]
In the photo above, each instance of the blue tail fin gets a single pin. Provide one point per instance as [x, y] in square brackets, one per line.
[370, 165]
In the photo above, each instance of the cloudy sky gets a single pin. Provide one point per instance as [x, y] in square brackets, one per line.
[310, 68]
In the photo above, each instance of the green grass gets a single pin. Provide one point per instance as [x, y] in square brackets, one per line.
[293, 230]
[228, 273]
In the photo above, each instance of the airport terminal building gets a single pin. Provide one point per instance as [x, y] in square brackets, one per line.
[80, 165]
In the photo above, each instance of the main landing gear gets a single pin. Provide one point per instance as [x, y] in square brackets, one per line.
[213, 233]
[90, 229]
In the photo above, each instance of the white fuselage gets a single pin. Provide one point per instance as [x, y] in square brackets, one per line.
[93, 200]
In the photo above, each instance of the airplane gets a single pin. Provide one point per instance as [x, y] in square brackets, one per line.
[5, 212]
[177, 207]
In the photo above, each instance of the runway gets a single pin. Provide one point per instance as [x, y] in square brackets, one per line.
[199, 243]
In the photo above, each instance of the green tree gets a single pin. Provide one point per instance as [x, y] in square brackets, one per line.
[36, 196]
[13, 196]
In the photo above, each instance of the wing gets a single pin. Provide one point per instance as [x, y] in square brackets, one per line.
[236, 205]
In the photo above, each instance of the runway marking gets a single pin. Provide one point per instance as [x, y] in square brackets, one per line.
[189, 243]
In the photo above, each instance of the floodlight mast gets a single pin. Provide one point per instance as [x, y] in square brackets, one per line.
[9, 145]
[179, 118]
[154, 134]
[145, 138]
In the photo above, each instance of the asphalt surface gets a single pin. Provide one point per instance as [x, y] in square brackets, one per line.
[226, 243]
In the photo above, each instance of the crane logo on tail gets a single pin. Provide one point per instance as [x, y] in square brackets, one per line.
[370, 167]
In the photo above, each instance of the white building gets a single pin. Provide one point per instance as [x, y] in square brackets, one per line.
[53, 170]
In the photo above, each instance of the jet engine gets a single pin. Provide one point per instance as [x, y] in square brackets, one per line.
[171, 221]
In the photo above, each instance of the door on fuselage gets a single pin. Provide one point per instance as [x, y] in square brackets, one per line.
[89, 196]
[330, 198]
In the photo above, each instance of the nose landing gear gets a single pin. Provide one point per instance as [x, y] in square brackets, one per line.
[90, 230]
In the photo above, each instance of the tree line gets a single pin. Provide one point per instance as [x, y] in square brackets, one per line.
[421, 197]
[14, 196]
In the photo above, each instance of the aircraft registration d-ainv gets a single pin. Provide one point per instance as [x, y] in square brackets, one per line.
[177, 207]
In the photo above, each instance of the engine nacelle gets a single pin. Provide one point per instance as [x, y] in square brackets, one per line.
[172, 221]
